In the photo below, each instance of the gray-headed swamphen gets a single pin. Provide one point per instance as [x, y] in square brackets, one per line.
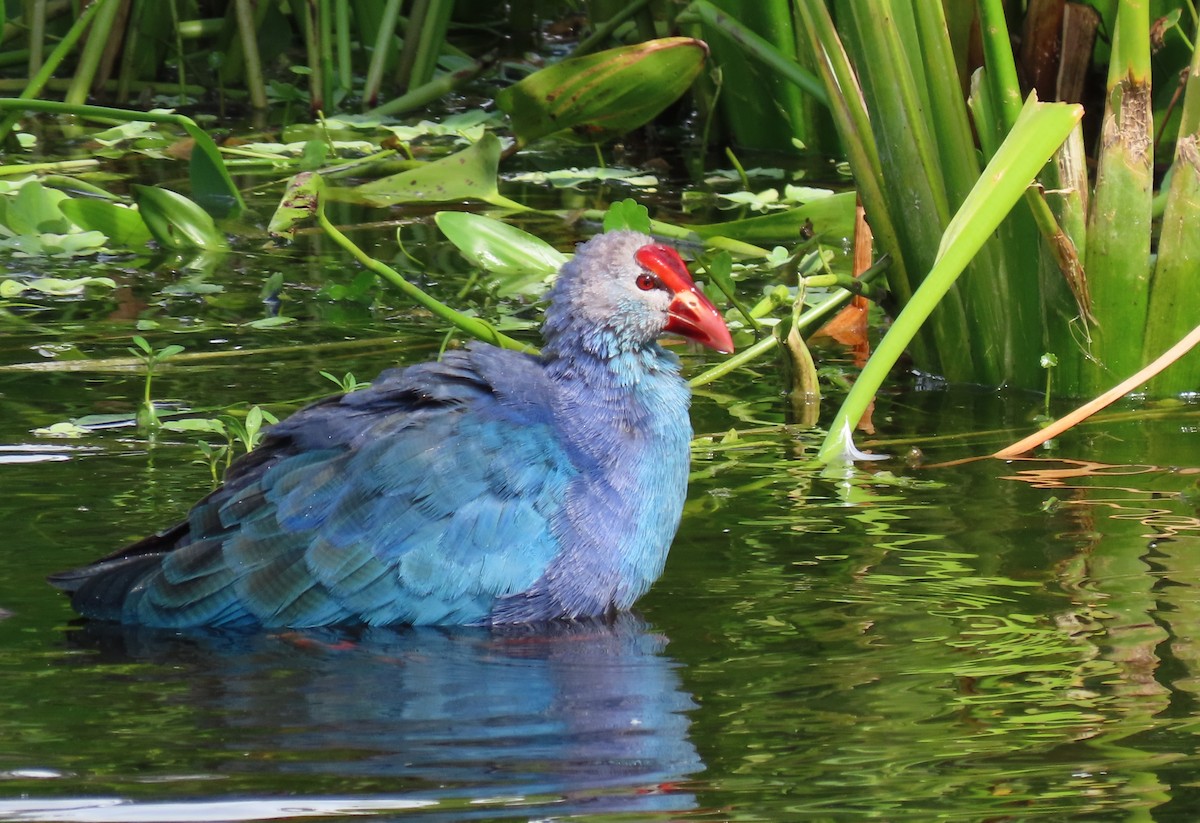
[489, 487]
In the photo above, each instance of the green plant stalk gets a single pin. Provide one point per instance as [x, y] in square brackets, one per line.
[201, 28]
[1001, 67]
[1174, 302]
[916, 198]
[809, 321]
[248, 34]
[430, 39]
[384, 38]
[328, 72]
[854, 128]
[413, 30]
[757, 47]
[36, 15]
[1119, 230]
[104, 365]
[344, 52]
[128, 52]
[602, 32]
[57, 55]
[999, 299]
[684, 234]
[179, 55]
[204, 143]
[1038, 132]
[1032, 290]
[12, 58]
[309, 15]
[473, 326]
[435, 89]
[54, 166]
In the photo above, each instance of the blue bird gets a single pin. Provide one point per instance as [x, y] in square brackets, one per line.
[490, 487]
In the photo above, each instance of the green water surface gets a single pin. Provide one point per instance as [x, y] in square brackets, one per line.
[899, 641]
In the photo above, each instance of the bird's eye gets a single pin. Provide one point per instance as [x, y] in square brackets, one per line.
[646, 282]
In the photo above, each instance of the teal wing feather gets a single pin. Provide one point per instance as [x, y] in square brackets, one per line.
[423, 500]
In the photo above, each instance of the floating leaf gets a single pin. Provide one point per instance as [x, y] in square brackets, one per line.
[574, 178]
[55, 245]
[36, 211]
[832, 217]
[500, 248]
[271, 322]
[205, 425]
[470, 174]
[63, 429]
[123, 226]
[59, 287]
[176, 222]
[606, 93]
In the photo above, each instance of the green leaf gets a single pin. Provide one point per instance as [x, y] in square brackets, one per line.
[36, 211]
[65, 428]
[60, 287]
[1040, 129]
[299, 202]
[206, 425]
[212, 186]
[168, 351]
[315, 153]
[606, 93]
[627, 214]
[470, 174]
[271, 322]
[831, 217]
[502, 249]
[177, 223]
[123, 226]
[577, 178]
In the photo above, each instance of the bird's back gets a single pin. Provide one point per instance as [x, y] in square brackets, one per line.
[422, 499]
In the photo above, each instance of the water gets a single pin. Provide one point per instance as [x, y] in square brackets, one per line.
[982, 641]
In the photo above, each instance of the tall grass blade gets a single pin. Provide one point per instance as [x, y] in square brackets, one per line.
[1038, 132]
[38, 82]
[93, 51]
[1175, 286]
[248, 34]
[385, 37]
[1119, 226]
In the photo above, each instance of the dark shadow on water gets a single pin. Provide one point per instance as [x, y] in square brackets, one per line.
[581, 718]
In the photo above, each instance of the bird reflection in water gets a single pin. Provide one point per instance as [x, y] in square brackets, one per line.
[585, 715]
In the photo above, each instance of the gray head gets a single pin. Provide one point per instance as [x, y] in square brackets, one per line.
[620, 292]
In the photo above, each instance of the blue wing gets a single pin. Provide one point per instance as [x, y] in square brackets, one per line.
[422, 499]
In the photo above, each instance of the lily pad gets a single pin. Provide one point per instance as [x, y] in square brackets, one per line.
[470, 174]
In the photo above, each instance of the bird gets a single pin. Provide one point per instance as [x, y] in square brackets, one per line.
[489, 487]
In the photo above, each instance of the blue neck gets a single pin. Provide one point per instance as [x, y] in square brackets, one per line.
[629, 434]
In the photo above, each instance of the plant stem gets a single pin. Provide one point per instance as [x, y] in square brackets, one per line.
[438, 87]
[38, 82]
[808, 321]
[473, 326]
[756, 47]
[603, 31]
[384, 38]
[250, 55]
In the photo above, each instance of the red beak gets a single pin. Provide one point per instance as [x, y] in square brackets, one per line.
[690, 314]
